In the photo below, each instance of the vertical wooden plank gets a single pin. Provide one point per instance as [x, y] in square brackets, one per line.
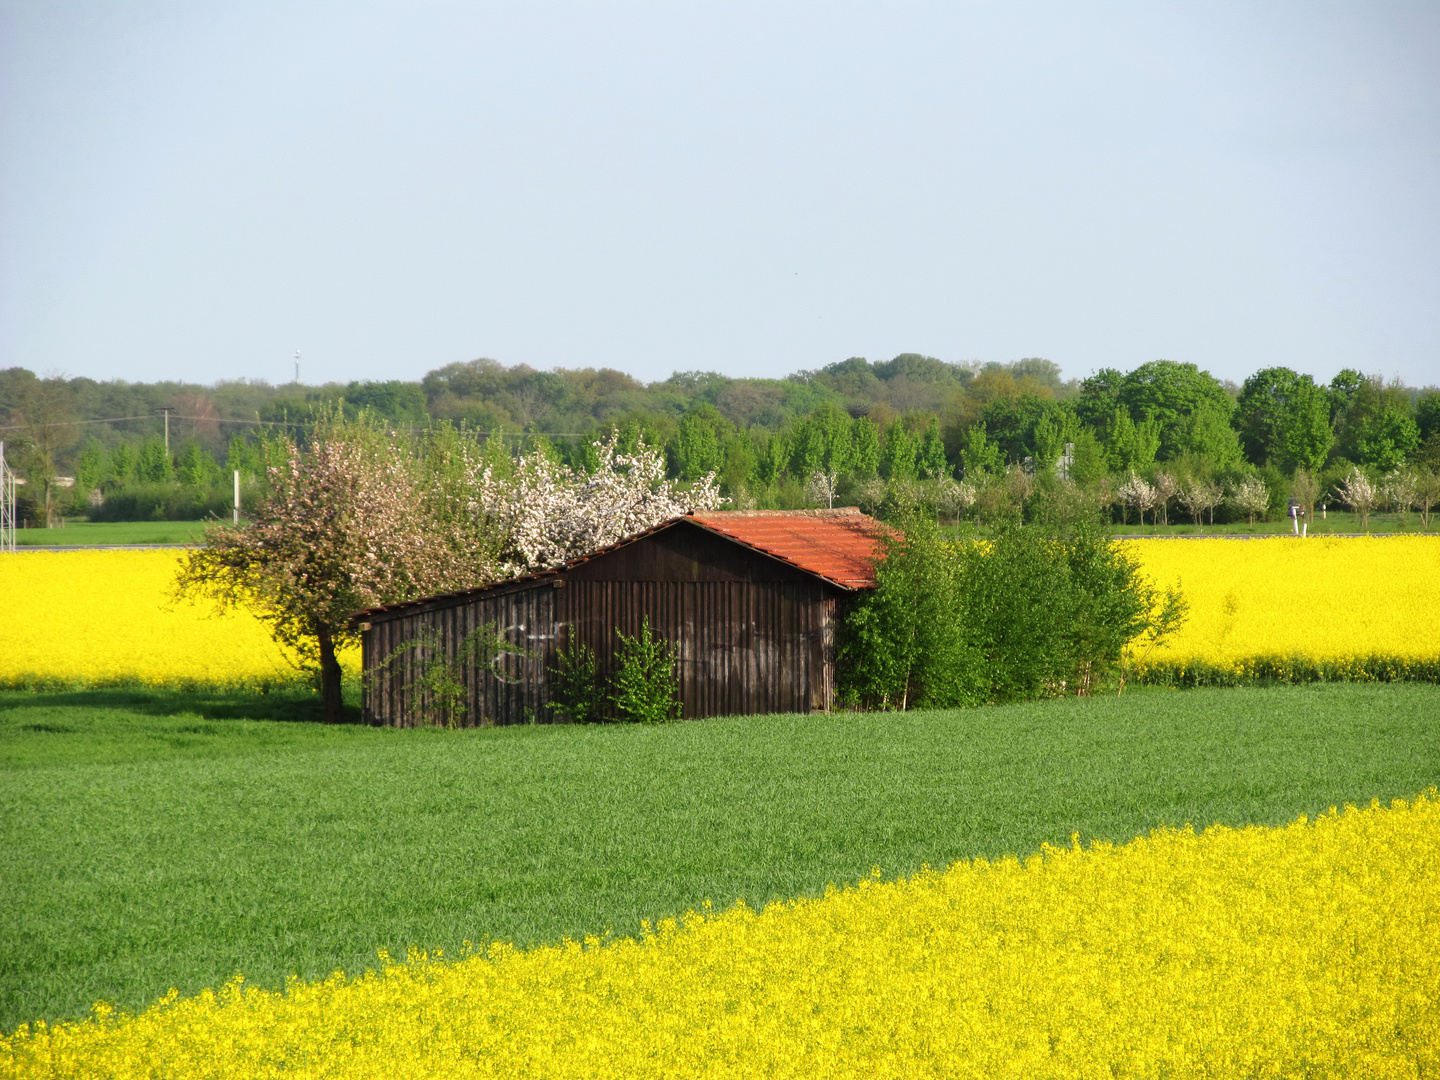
[829, 647]
[387, 692]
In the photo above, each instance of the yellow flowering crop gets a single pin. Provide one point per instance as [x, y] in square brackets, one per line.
[1307, 950]
[1326, 599]
[106, 617]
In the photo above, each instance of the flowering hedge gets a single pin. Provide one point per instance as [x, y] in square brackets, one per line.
[105, 618]
[1301, 950]
[1294, 610]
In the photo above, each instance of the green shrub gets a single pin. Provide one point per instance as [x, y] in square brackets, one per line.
[1035, 610]
[575, 683]
[163, 502]
[905, 643]
[1285, 670]
[643, 686]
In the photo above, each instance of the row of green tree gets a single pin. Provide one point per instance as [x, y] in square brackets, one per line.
[855, 431]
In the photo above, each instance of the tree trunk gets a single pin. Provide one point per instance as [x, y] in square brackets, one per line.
[330, 680]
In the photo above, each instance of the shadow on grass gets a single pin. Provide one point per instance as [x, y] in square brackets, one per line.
[292, 706]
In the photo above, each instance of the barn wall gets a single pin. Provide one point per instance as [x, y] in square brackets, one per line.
[752, 635]
[509, 690]
[743, 647]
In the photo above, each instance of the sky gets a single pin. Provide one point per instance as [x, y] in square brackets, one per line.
[195, 191]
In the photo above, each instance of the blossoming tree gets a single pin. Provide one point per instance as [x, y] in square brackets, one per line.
[543, 512]
[359, 517]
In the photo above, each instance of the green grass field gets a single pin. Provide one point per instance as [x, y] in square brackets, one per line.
[152, 841]
[114, 532]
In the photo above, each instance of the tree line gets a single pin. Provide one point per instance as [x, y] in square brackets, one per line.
[960, 439]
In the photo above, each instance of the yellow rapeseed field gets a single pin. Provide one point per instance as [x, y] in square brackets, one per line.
[1306, 950]
[105, 617]
[1321, 598]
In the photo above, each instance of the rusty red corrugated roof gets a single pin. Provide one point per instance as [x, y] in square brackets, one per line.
[839, 545]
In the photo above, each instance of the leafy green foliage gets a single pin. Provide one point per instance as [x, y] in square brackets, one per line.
[865, 449]
[1036, 610]
[245, 456]
[897, 453]
[1011, 421]
[196, 468]
[1131, 446]
[930, 455]
[153, 464]
[1206, 434]
[764, 438]
[979, 455]
[393, 399]
[163, 502]
[905, 644]
[1427, 415]
[1163, 391]
[700, 441]
[643, 686]
[1053, 432]
[575, 683]
[1284, 417]
[1387, 437]
[1164, 623]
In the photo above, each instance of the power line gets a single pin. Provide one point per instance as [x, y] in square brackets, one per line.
[68, 423]
[285, 423]
[153, 416]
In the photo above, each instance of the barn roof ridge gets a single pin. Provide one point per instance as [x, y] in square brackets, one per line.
[844, 564]
[815, 512]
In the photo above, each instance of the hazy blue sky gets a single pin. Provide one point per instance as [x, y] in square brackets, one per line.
[193, 190]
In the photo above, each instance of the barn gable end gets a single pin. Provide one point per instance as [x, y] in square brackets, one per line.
[753, 631]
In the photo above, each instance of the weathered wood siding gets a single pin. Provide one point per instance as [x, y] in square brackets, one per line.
[742, 647]
[509, 691]
[752, 634]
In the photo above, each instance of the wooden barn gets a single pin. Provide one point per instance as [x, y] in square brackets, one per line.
[749, 600]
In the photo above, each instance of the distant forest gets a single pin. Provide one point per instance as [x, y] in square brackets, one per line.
[101, 447]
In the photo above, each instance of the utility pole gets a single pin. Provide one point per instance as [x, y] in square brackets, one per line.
[7, 504]
[237, 497]
[167, 431]
[297, 367]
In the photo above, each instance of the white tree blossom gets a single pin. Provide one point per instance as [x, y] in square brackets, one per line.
[360, 517]
[821, 487]
[1401, 487]
[350, 523]
[870, 494]
[1199, 496]
[953, 496]
[547, 513]
[1166, 488]
[1139, 493]
[1252, 497]
[1359, 492]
